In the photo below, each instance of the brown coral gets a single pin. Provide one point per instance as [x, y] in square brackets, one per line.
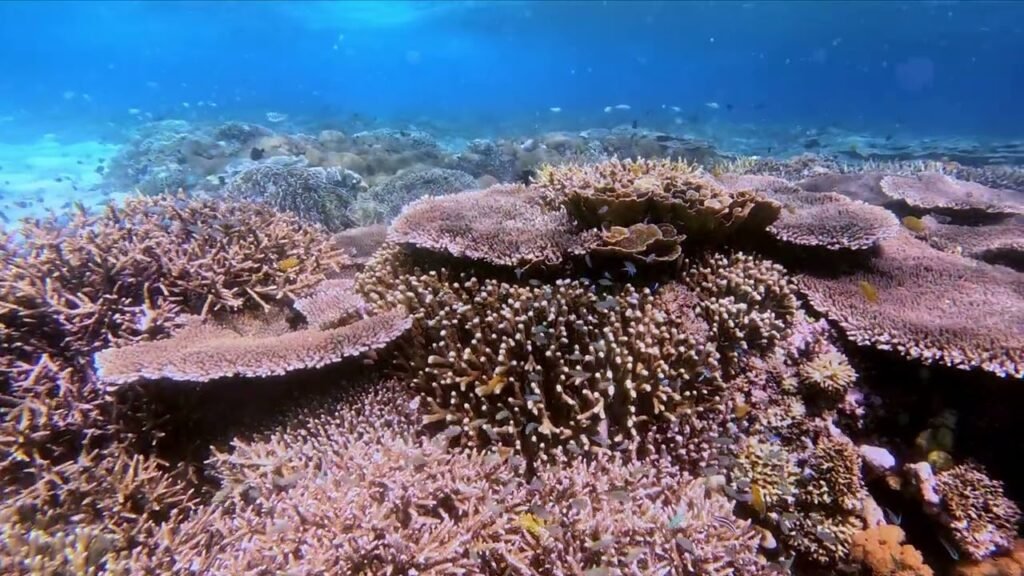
[623, 193]
[352, 487]
[503, 225]
[205, 351]
[982, 518]
[73, 288]
[881, 551]
[652, 243]
[835, 479]
[1011, 564]
[929, 305]
[831, 221]
[935, 192]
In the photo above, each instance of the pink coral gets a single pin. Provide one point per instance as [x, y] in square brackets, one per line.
[930, 305]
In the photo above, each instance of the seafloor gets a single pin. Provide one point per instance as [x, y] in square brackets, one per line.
[233, 350]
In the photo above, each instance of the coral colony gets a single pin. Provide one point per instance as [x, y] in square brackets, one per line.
[708, 366]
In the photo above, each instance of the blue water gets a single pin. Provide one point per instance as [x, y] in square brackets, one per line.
[925, 68]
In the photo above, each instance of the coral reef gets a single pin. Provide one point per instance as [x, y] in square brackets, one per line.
[1011, 564]
[320, 195]
[1001, 243]
[831, 221]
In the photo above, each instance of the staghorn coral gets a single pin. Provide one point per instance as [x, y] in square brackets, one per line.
[320, 195]
[1001, 243]
[73, 498]
[829, 374]
[248, 347]
[974, 507]
[502, 225]
[831, 221]
[929, 305]
[72, 288]
[623, 193]
[353, 487]
[935, 192]
[881, 551]
[823, 538]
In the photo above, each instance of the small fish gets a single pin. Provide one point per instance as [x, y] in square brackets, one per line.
[679, 519]
[629, 268]
[605, 282]
[686, 544]
[598, 571]
[531, 523]
[712, 105]
[724, 521]
[757, 500]
[603, 543]
[741, 410]
[579, 504]
[914, 224]
[493, 386]
[675, 108]
[825, 536]
[622, 107]
[586, 259]
[892, 517]
[608, 304]
[620, 496]
[555, 109]
[868, 290]
[949, 548]
[276, 117]
[541, 512]
[289, 263]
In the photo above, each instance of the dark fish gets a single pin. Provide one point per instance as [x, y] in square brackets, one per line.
[634, 124]
[729, 107]
[100, 169]
[888, 137]
[256, 154]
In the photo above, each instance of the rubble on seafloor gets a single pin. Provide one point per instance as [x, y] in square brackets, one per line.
[684, 365]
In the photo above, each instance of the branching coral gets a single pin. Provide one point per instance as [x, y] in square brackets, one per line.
[747, 301]
[977, 511]
[881, 551]
[76, 287]
[541, 365]
[251, 348]
[409, 185]
[929, 305]
[942, 194]
[502, 225]
[73, 500]
[352, 487]
[623, 193]
[321, 195]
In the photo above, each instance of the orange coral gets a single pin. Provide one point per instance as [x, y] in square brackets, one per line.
[881, 551]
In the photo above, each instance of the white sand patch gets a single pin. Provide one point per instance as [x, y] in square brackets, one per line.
[49, 175]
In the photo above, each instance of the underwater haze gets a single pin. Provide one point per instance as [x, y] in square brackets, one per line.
[928, 68]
